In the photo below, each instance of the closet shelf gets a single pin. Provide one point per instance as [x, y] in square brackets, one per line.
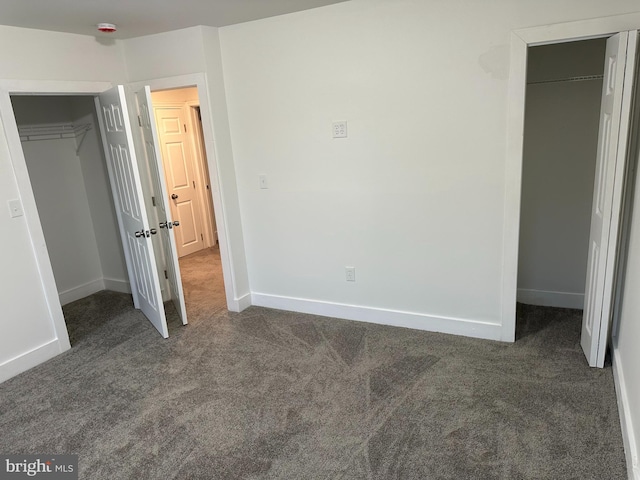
[29, 133]
[582, 78]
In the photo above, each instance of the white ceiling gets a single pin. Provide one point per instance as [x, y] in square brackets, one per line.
[136, 18]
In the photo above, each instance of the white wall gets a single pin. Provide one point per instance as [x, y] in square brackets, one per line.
[414, 198]
[626, 341]
[29, 54]
[560, 144]
[180, 95]
[28, 335]
[163, 55]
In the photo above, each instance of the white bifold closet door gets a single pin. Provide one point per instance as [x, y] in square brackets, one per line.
[126, 187]
[607, 199]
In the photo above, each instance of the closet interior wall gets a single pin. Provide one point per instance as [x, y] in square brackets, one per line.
[564, 88]
[71, 187]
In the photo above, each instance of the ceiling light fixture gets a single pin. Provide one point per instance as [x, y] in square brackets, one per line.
[106, 27]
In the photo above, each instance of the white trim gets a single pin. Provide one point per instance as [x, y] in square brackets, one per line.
[624, 410]
[81, 291]
[382, 316]
[244, 302]
[551, 299]
[520, 41]
[30, 359]
[200, 153]
[199, 80]
[54, 87]
[117, 285]
[580, 30]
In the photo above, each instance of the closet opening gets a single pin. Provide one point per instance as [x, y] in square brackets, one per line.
[61, 141]
[183, 156]
[561, 127]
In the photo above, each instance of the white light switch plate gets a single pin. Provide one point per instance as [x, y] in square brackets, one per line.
[15, 208]
[339, 129]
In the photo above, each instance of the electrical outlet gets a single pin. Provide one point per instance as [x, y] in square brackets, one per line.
[350, 273]
[340, 129]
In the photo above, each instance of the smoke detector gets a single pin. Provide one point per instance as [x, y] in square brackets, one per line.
[106, 27]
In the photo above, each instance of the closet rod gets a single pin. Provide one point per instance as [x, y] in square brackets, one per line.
[569, 79]
[52, 131]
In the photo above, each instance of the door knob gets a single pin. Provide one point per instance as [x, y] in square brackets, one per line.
[174, 196]
[176, 224]
[164, 224]
[153, 231]
[139, 234]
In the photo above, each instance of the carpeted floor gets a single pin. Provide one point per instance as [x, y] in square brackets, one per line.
[268, 394]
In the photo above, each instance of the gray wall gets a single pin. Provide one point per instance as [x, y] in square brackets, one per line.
[560, 143]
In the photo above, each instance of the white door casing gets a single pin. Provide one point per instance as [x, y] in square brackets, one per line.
[167, 228]
[126, 186]
[606, 208]
[179, 170]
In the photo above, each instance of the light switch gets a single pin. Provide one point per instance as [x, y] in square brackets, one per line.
[15, 208]
[339, 129]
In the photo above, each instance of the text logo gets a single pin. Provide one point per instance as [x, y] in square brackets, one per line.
[50, 467]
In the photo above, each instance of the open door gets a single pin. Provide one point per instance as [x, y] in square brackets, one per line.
[151, 145]
[607, 199]
[126, 186]
[179, 171]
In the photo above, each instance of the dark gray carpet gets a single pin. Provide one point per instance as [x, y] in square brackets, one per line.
[269, 394]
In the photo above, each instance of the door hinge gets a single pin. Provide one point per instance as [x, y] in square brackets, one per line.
[166, 275]
[202, 237]
[185, 128]
[139, 121]
[194, 184]
[153, 201]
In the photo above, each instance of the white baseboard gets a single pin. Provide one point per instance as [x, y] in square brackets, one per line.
[624, 409]
[397, 318]
[30, 359]
[551, 299]
[92, 287]
[116, 285]
[244, 302]
[81, 291]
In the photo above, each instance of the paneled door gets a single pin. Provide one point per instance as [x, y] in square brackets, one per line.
[179, 168]
[124, 176]
[167, 227]
[606, 208]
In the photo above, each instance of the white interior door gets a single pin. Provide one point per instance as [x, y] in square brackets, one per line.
[167, 226]
[605, 213]
[129, 201]
[179, 168]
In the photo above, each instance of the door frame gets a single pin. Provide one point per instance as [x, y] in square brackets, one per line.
[25, 189]
[235, 301]
[200, 152]
[520, 41]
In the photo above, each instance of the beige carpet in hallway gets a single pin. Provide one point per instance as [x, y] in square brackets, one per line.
[203, 283]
